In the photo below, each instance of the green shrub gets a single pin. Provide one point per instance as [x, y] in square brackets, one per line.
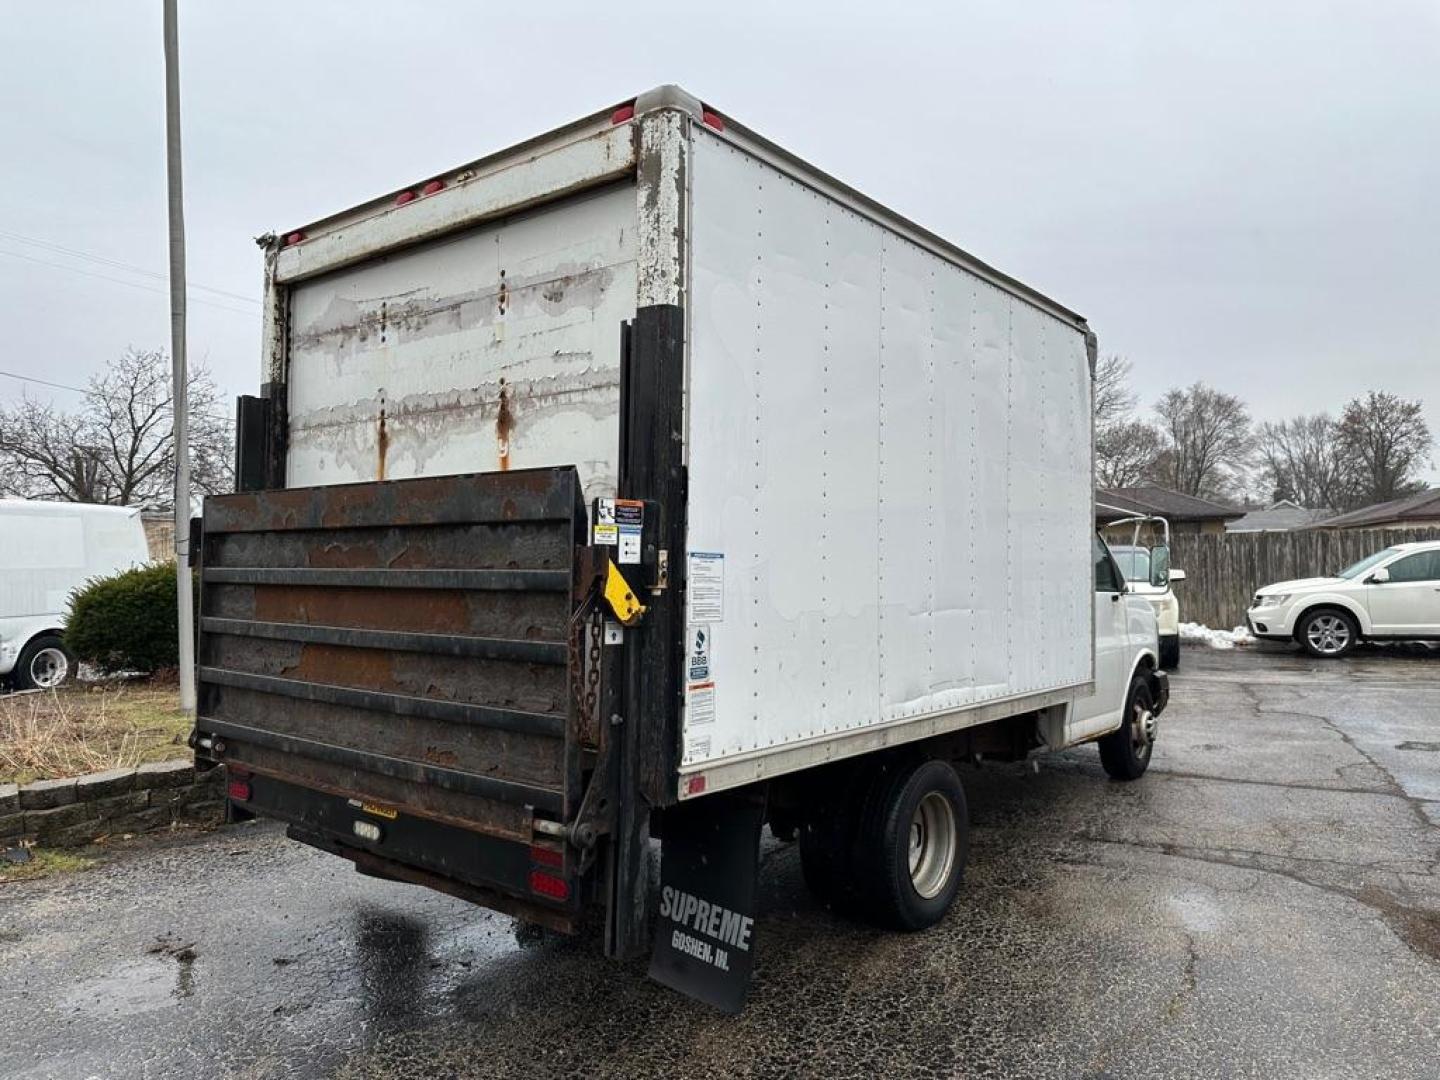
[127, 621]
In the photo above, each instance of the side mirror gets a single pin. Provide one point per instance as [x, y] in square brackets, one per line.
[1159, 566]
[1177, 575]
[1379, 577]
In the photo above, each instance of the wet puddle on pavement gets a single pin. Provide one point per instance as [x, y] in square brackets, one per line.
[137, 986]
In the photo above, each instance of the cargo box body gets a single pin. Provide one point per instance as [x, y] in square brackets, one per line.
[862, 459]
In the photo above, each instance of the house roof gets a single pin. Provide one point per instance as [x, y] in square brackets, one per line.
[1282, 517]
[1413, 508]
[1150, 499]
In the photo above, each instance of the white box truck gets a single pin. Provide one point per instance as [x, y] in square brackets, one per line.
[642, 482]
[47, 550]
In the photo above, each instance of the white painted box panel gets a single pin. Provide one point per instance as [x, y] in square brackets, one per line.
[891, 459]
[499, 348]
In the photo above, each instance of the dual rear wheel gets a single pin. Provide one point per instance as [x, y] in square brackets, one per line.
[891, 846]
[895, 854]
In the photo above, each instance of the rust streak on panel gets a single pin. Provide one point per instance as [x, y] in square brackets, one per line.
[382, 444]
[504, 423]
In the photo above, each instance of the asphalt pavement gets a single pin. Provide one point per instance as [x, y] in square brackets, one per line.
[1264, 903]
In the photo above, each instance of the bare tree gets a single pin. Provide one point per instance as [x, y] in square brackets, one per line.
[117, 447]
[1302, 460]
[1386, 443]
[1206, 442]
[1126, 453]
[1125, 447]
[1114, 400]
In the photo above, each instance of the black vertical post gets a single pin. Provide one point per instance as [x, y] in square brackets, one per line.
[651, 468]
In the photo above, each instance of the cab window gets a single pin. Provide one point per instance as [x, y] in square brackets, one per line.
[1107, 579]
[1422, 566]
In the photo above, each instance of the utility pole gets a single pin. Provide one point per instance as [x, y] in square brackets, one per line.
[183, 591]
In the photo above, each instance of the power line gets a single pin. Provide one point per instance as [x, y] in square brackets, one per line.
[121, 281]
[42, 382]
[103, 260]
[81, 390]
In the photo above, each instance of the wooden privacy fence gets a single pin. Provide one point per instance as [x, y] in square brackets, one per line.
[1223, 572]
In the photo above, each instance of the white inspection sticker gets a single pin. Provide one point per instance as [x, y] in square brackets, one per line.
[705, 586]
[699, 704]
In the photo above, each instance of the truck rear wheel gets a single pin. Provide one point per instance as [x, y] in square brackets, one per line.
[1125, 752]
[912, 845]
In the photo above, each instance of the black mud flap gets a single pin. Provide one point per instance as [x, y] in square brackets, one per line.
[705, 936]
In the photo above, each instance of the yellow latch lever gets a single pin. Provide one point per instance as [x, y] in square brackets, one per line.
[621, 597]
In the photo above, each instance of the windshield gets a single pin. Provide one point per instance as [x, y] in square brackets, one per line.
[1352, 572]
[1134, 562]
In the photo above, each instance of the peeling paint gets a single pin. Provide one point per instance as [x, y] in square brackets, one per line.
[662, 170]
[348, 325]
[499, 349]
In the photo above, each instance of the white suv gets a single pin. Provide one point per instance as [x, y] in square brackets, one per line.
[1393, 594]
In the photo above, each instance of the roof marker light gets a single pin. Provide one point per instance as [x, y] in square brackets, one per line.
[713, 119]
[432, 187]
[294, 238]
[622, 114]
[404, 197]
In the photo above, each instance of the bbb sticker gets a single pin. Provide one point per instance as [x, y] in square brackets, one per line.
[698, 656]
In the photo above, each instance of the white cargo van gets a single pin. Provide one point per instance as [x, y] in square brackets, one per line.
[645, 481]
[48, 549]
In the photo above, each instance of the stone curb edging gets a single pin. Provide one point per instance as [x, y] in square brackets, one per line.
[75, 811]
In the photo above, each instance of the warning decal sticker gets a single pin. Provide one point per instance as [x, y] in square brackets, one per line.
[629, 517]
[705, 587]
[699, 704]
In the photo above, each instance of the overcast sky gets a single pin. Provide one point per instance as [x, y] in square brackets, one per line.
[1247, 194]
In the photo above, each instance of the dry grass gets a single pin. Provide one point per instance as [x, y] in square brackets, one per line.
[83, 729]
[43, 863]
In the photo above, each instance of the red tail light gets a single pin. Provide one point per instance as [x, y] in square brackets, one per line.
[238, 790]
[543, 856]
[543, 884]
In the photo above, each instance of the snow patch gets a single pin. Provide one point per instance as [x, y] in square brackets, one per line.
[1215, 639]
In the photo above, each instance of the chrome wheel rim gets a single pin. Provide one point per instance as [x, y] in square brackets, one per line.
[1142, 729]
[932, 844]
[1328, 634]
[48, 668]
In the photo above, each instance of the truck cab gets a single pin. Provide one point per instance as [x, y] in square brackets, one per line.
[1145, 564]
[1131, 688]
